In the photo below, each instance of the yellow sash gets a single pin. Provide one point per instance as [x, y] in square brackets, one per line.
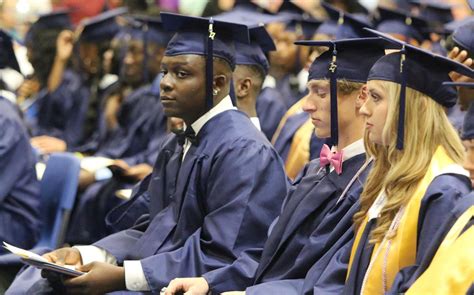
[299, 153]
[452, 268]
[400, 251]
[294, 109]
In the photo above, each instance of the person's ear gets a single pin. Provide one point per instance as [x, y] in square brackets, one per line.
[362, 96]
[220, 81]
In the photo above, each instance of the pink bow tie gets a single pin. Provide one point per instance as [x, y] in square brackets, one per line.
[328, 157]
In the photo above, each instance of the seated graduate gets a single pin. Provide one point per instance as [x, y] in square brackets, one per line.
[417, 176]
[90, 41]
[132, 114]
[19, 186]
[463, 52]
[250, 71]
[270, 106]
[447, 268]
[214, 190]
[294, 139]
[64, 91]
[316, 218]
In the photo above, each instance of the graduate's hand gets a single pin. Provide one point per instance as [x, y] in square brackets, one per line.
[122, 164]
[62, 256]
[64, 45]
[27, 89]
[48, 144]
[100, 278]
[191, 286]
[461, 56]
[86, 178]
[234, 293]
[138, 172]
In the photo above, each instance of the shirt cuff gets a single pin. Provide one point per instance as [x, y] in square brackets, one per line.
[92, 253]
[135, 279]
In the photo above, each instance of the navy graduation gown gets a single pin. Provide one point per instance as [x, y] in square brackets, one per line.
[285, 138]
[442, 195]
[19, 187]
[270, 110]
[62, 112]
[207, 210]
[89, 219]
[407, 276]
[310, 226]
[141, 118]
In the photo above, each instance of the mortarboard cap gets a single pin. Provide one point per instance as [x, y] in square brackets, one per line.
[206, 37]
[148, 28]
[464, 36]
[434, 12]
[249, 6]
[254, 53]
[328, 27]
[7, 55]
[348, 25]
[304, 26]
[290, 8]
[248, 17]
[58, 19]
[101, 27]
[403, 23]
[349, 59]
[420, 70]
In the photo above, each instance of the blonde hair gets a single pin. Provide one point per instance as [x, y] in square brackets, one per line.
[399, 172]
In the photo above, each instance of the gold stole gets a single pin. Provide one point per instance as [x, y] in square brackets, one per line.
[299, 153]
[400, 251]
[294, 109]
[452, 269]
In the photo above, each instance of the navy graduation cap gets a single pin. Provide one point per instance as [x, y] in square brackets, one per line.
[290, 8]
[254, 53]
[348, 25]
[464, 36]
[468, 126]
[328, 27]
[400, 22]
[249, 6]
[101, 27]
[304, 26]
[349, 59]
[433, 11]
[420, 70]
[58, 19]
[7, 55]
[206, 37]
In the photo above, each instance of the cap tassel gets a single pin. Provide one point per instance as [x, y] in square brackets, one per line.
[209, 66]
[401, 112]
[333, 92]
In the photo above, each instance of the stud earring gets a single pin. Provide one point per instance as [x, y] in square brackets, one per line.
[215, 92]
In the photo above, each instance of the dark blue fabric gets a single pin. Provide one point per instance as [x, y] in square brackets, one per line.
[270, 110]
[19, 187]
[142, 127]
[310, 228]
[468, 126]
[443, 194]
[285, 138]
[216, 185]
[62, 112]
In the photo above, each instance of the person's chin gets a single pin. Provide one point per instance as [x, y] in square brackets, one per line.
[322, 132]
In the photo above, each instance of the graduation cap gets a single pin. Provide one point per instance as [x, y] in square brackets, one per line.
[348, 59]
[249, 17]
[254, 53]
[101, 27]
[206, 37]
[304, 26]
[464, 36]
[328, 27]
[7, 55]
[420, 70]
[403, 23]
[435, 12]
[58, 19]
[247, 5]
[290, 8]
[348, 25]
